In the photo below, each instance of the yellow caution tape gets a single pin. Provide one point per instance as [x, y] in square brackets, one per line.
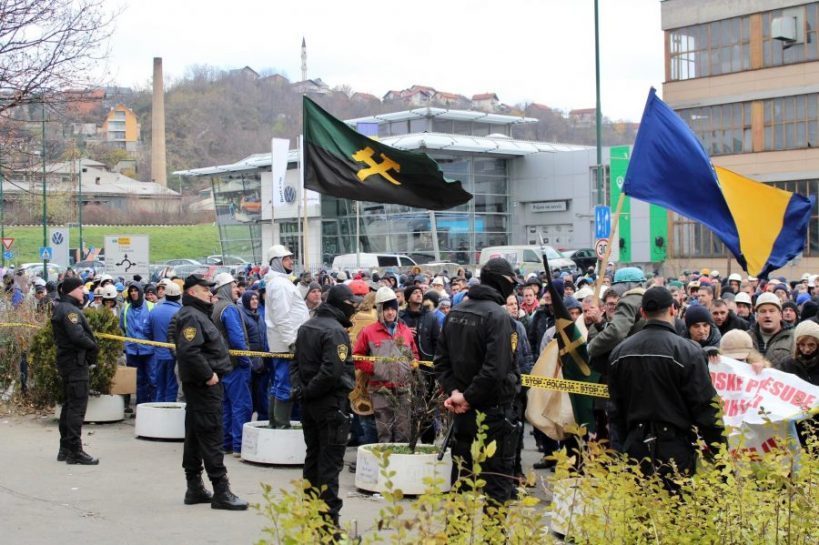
[18, 324]
[564, 385]
[531, 381]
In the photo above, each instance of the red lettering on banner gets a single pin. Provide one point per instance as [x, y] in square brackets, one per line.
[776, 387]
[751, 385]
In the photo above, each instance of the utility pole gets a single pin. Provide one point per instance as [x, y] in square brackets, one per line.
[45, 209]
[79, 211]
[599, 115]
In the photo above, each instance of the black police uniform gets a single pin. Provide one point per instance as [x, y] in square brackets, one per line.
[476, 356]
[76, 350]
[659, 389]
[201, 352]
[322, 376]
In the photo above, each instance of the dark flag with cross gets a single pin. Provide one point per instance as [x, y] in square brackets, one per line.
[574, 357]
[339, 161]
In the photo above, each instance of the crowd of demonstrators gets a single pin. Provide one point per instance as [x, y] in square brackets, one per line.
[429, 316]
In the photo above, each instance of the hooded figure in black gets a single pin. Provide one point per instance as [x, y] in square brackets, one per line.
[475, 366]
[322, 376]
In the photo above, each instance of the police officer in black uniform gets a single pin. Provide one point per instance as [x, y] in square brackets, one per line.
[322, 377]
[659, 390]
[202, 359]
[76, 351]
[475, 365]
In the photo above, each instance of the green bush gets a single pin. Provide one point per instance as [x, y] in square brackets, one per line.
[735, 498]
[15, 340]
[45, 384]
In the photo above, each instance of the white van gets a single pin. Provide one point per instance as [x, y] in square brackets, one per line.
[372, 261]
[528, 258]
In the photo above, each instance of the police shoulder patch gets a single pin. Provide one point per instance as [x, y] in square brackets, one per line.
[189, 333]
[514, 342]
[73, 317]
[343, 351]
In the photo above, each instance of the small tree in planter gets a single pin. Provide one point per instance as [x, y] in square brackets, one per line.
[15, 342]
[46, 386]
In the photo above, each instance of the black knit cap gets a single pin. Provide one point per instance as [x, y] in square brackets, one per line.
[70, 284]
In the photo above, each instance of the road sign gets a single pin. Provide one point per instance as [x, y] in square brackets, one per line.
[7, 242]
[46, 252]
[127, 255]
[8, 254]
[602, 222]
[600, 247]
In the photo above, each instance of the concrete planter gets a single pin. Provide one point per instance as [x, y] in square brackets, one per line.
[160, 421]
[101, 408]
[567, 504]
[263, 445]
[410, 470]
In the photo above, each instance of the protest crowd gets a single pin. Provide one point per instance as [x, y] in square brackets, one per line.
[408, 316]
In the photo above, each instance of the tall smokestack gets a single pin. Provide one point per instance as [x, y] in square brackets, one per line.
[158, 127]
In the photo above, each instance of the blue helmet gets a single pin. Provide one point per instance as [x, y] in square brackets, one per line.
[629, 274]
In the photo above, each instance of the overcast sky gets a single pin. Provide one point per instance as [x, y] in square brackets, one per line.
[524, 50]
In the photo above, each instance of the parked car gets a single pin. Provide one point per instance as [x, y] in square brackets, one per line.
[36, 269]
[178, 262]
[583, 258]
[97, 266]
[528, 258]
[250, 204]
[371, 261]
[225, 260]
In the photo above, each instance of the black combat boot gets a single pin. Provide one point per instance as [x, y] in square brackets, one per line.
[62, 455]
[223, 498]
[197, 493]
[82, 458]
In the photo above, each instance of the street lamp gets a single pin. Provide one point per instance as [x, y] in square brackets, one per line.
[45, 209]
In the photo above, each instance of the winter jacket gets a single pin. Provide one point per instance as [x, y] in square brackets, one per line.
[474, 353]
[429, 329]
[158, 321]
[805, 368]
[656, 376]
[376, 340]
[360, 320]
[228, 320]
[523, 350]
[539, 323]
[323, 367]
[133, 321]
[285, 311]
[201, 351]
[733, 322]
[625, 322]
[779, 348]
[75, 342]
[256, 335]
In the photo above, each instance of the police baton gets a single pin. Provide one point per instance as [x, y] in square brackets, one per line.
[447, 439]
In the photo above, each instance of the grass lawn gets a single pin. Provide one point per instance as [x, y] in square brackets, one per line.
[167, 242]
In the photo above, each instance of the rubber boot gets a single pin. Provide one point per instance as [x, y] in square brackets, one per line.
[271, 410]
[197, 493]
[281, 414]
[223, 498]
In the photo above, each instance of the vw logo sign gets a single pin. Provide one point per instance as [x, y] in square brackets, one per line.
[57, 238]
[290, 194]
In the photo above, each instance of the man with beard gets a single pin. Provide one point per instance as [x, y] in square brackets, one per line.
[285, 312]
[202, 357]
[322, 376]
[76, 350]
[725, 318]
[475, 365]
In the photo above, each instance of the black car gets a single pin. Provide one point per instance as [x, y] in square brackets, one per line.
[583, 258]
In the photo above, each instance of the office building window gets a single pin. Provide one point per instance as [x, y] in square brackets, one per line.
[790, 122]
[778, 52]
[719, 47]
[723, 129]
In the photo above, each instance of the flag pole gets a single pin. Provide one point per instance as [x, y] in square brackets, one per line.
[357, 235]
[304, 246]
[298, 205]
[605, 262]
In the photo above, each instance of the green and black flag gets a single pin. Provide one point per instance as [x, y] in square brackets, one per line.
[574, 356]
[339, 161]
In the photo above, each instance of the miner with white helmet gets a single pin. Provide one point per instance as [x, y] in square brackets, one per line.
[285, 312]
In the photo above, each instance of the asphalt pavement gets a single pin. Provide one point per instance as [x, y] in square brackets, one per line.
[134, 496]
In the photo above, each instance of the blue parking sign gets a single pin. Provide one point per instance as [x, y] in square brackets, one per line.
[602, 222]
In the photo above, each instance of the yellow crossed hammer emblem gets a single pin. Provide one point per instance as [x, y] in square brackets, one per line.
[373, 168]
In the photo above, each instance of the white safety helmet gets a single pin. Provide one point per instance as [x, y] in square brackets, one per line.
[223, 279]
[734, 277]
[742, 298]
[105, 277]
[97, 292]
[278, 250]
[768, 298]
[109, 292]
[384, 294]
